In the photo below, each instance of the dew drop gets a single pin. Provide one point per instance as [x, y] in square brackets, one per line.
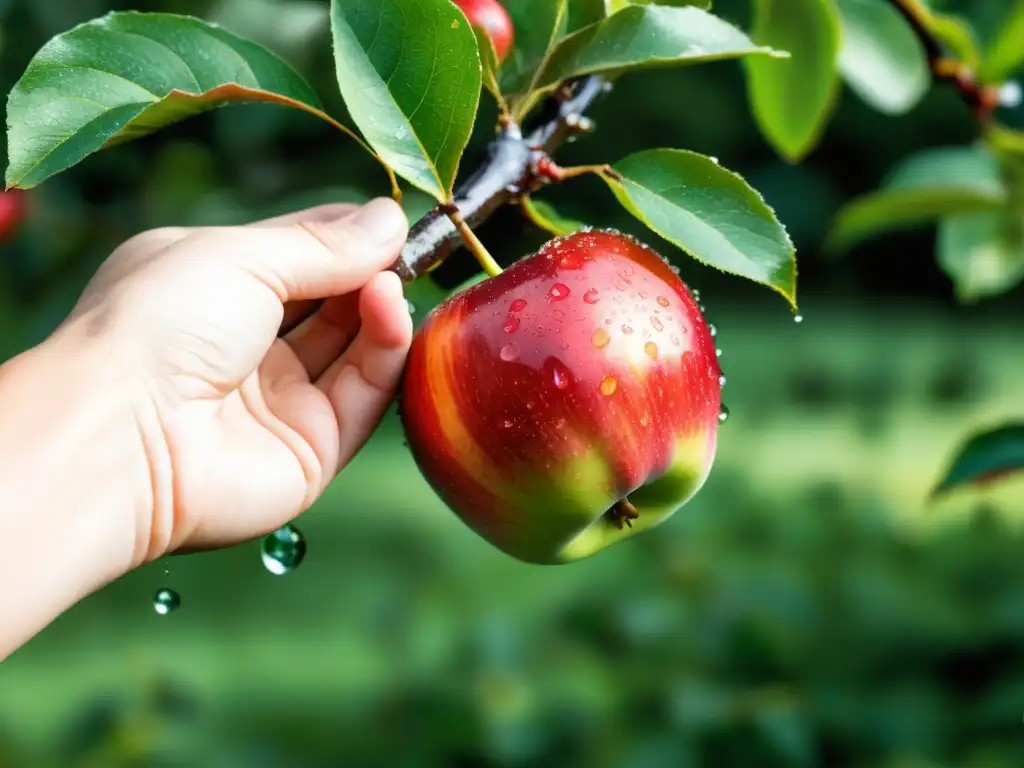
[558, 292]
[696, 294]
[712, 330]
[663, 301]
[509, 353]
[560, 376]
[591, 296]
[718, 353]
[627, 330]
[559, 315]
[600, 338]
[512, 324]
[798, 318]
[608, 386]
[166, 601]
[284, 550]
[722, 380]
[507, 423]
[723, 415]
[517, 305]
[658, 325]
[563, 346]
[651, 349]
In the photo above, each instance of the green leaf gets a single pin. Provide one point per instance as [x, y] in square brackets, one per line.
[792, 99]
[644, 37]
[710, 213]
[126, 75]
[881, 58]
[926, 187]
[538, 24]
[544, 216]
[1005, 54]
[488, 63]
[985, 456]
[982, 253]
[409, 72]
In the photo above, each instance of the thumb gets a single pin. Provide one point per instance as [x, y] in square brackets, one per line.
[315, 259]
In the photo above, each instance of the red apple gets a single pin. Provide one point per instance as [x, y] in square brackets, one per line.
[568, 403]
[12, 212]
[492, 17]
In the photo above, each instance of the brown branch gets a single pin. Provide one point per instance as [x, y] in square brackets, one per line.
[509, 170]
[982, 99]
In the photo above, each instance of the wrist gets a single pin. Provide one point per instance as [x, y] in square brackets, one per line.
[75, 487]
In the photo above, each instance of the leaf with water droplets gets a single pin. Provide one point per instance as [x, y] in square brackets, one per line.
[792, 99]
[709, 212]
[984, 457]
[410, 74]
[127, 75]
[925, 187]
[645, 36]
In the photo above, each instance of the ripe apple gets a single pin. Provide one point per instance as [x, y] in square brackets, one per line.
[491, 16]
[568, 403]
[12, 212]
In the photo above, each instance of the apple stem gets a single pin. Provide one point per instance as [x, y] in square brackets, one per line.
[548, 169]
[478, 249]
[623, 513]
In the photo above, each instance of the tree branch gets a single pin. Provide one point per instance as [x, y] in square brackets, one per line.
[510, 169]
[982, 99]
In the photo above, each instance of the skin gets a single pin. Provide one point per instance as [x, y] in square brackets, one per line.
[537, 400]
[166, 415]
[492, 17]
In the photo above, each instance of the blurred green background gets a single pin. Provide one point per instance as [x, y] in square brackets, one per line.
[806, 609]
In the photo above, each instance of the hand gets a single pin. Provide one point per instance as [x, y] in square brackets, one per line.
[243, 430]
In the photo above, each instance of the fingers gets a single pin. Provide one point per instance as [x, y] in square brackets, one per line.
[361, 384]
[314, 259]
[319, 340]
[326, 212]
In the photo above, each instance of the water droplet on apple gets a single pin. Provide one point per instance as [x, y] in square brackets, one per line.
[411, 307]
[563, 346]
[658, 325]
[663, 301]
[608, 321]
[559, 375]
[627, 330]
[718, 353]
[507, 423]
[651, 349]
[696, 294]
[712, 330]
[600, 338]
[608, 386]
[722, 380]
[166, 601]
[509, 353]
[558, 292]
[798, 318]
[723, 414]
[517, 305]
[512, 324]
[591, 296]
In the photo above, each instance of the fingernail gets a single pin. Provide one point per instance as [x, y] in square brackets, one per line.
[382, 219]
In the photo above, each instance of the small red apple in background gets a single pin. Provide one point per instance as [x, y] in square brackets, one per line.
[492, 17]
[12, 212]
[537, 401]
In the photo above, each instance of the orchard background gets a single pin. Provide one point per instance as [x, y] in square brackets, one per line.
[807, 608]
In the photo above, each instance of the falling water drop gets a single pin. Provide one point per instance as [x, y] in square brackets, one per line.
[798, 318]
[284, 550]
[723, 414]
[166, 601]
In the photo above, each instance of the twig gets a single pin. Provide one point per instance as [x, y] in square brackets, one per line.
[509, 171]
[982, 99]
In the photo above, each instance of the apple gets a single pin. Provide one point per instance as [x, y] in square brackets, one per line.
[569, 402]
[12, 212]
[491, 16]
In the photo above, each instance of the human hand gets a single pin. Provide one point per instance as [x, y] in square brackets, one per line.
[243, 430]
